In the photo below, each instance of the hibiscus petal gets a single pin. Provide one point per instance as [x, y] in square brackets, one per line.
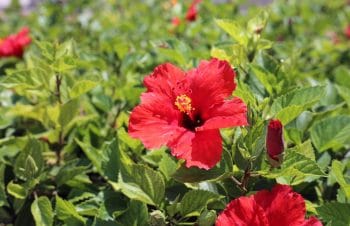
[181, 146]
[243, 211]
[312, 221]
[230, 113]
[213, 80]
[154, 121]
[206, 149]
[164, 79]
[282, 206]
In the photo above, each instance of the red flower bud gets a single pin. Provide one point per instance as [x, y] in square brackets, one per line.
[191, 14]
[176, 21]
[347, 31]
[274, 142]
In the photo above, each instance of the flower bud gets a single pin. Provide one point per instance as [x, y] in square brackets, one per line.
[274, 142]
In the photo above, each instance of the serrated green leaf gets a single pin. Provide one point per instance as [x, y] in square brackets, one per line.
[234, 29]
[344, 92]
[337, 213]
[305, 97]
[66, 212]
[42, 211]
[331, 133]
[289, 113]
[220, 54]
[16, 190]
[295, 169]
[305, 149]
[30, 162]
[195, 201]
[337, 170]
[167, 166]
[267, 79]
[81, 87]
[107, 160]
[258, 22]
[143, 184]
[68, 111]
[136, 215]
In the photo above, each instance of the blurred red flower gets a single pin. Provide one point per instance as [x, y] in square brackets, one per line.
[14, 44]
[191, 14]
[274, 140]
[184, 110]
[176, 21]
[280, 206]
[347, 31]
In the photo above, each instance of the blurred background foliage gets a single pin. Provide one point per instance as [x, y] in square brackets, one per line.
[66, 157]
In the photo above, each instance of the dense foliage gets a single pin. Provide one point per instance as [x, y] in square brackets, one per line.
[66, 157]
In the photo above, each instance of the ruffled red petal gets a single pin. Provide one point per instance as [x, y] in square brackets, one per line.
[211, 83]
[154, 121]
[312, 221]
[206, 149]
[282, 206]
[243, 211]
[230, 113]
[165, 79]
[201, 149]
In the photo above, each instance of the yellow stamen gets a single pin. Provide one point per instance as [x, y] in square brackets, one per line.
[183, 103]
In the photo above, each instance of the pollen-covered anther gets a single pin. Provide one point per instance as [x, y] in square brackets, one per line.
[183, 103]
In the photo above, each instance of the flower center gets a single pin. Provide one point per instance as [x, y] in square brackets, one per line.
[183, 103]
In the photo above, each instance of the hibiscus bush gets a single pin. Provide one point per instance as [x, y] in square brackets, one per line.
[154, 112]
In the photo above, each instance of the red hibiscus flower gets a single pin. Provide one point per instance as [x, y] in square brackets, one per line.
[347, 31]
[280, 206]
[184, 110]
[274, 142]
[13, 45]
[191, 14]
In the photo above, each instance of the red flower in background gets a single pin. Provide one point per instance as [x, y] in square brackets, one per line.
[176, 21]
[347, 31]
[280, 206]
[184, 111]
[191, 14]
[14, 45]
[274, 141]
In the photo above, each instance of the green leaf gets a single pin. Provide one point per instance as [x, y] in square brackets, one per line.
[167, 166]
[305, 149]
[267, 79]
[288, 114]
[68, 172]
[344, 92]
[136, 215]
[42, 211]
[107, 161]
[331, 133]
[195, 201]
[81, 87]
[66, 212]
[143, 184]
[295, 169]
[337, 171]
[234, 29]
[110, 160]
[68, 112]
[336, 213]
[194, 174]
[16, 190]
[305, 97]
[30, 162]
[258, 23]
